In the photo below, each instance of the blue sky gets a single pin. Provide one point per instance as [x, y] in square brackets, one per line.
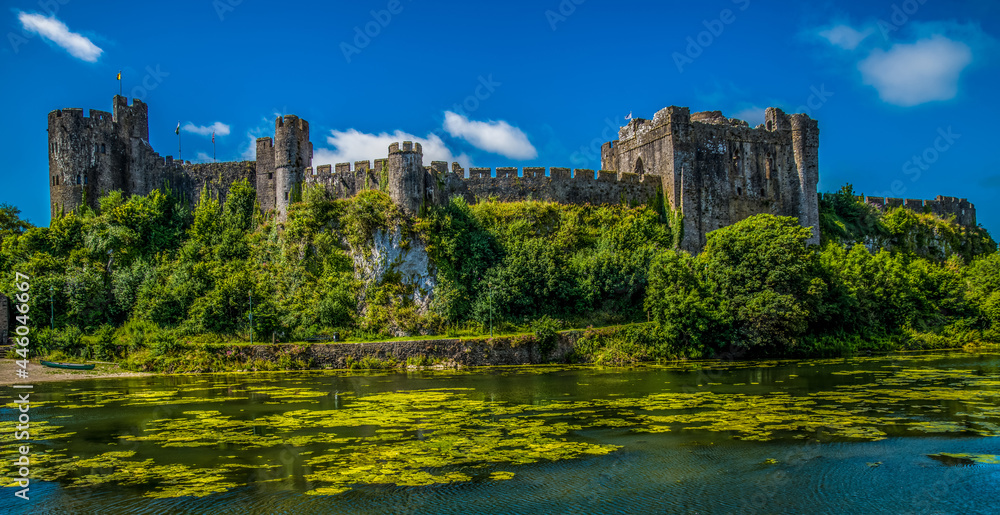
[904, 91]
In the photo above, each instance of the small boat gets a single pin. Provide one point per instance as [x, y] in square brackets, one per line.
[70, 366]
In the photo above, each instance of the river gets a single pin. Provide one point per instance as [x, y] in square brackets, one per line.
[907, 433]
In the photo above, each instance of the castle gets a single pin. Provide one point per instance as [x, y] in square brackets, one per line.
[714, 170]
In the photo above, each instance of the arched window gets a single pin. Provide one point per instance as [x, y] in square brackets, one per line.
[639, 168]
[78, 180]
[102, 148]
[84, 180]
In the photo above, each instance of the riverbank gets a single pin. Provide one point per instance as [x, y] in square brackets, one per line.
[42, 374]
[525, 349]
[607, 346]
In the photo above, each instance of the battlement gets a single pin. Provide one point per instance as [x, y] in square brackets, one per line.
[557, 173]
[290, 120]
[357, 166]
[407, 147]
[717, 118]
[76, 118]
[942, 206]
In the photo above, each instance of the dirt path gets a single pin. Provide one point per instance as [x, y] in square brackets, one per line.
[41, 374]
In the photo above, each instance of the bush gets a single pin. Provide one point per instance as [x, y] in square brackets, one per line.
[546, 331]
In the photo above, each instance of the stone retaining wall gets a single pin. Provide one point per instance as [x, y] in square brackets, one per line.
[516, 350]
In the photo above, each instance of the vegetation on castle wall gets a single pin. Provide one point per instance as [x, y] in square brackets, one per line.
[845, 220]
[757, 287]
[522, 260]
[147, 278]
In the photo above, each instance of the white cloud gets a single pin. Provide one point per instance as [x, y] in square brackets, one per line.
[912, 74]
[498, 137]
[353, 145]
[249, 152]
[203, 157]
[219, 128]
[845, 36]
[753, 115]
[57, 32]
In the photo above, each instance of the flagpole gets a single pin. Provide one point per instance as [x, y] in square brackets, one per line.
[178, 131]
[119, 83]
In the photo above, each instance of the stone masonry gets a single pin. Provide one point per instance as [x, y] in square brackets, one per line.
[714, 170]
[4, 319]
[717, 171]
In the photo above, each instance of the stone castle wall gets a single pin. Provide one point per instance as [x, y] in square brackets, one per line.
[5, 319]
[718, 171]
[215, 178]
[944, 207]
[714, 170]
[91, 155]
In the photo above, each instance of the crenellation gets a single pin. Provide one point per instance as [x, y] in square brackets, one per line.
[606, 176]
[480, 173]
[942, 206]
[534, 172]
[506, 172]
[878, 202]
[713, 169]
[560, 173]
[439, 167]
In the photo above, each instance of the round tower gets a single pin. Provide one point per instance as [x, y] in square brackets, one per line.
[407, 178]
[292, 154]
[805, 146]
[84, 158]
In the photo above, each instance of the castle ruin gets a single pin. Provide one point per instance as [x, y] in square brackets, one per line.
[712, 169]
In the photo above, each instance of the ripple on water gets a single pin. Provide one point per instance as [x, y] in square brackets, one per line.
[476, 440]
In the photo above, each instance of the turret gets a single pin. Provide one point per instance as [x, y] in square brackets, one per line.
[86, 158]
[132, 120]
[805, 145]
[265, 173]
[292, 155]
[407, 178]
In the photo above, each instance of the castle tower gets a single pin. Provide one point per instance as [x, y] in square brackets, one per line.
[407, 177]
[132, 123]
[292, 155]
[86, 158]
[805, 144]
[264, 180]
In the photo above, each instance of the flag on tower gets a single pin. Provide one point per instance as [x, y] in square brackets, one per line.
[119, 75]
[629, 117]
[177, 131]
[213, 137]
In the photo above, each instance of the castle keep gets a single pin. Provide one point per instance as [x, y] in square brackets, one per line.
[714, 170]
